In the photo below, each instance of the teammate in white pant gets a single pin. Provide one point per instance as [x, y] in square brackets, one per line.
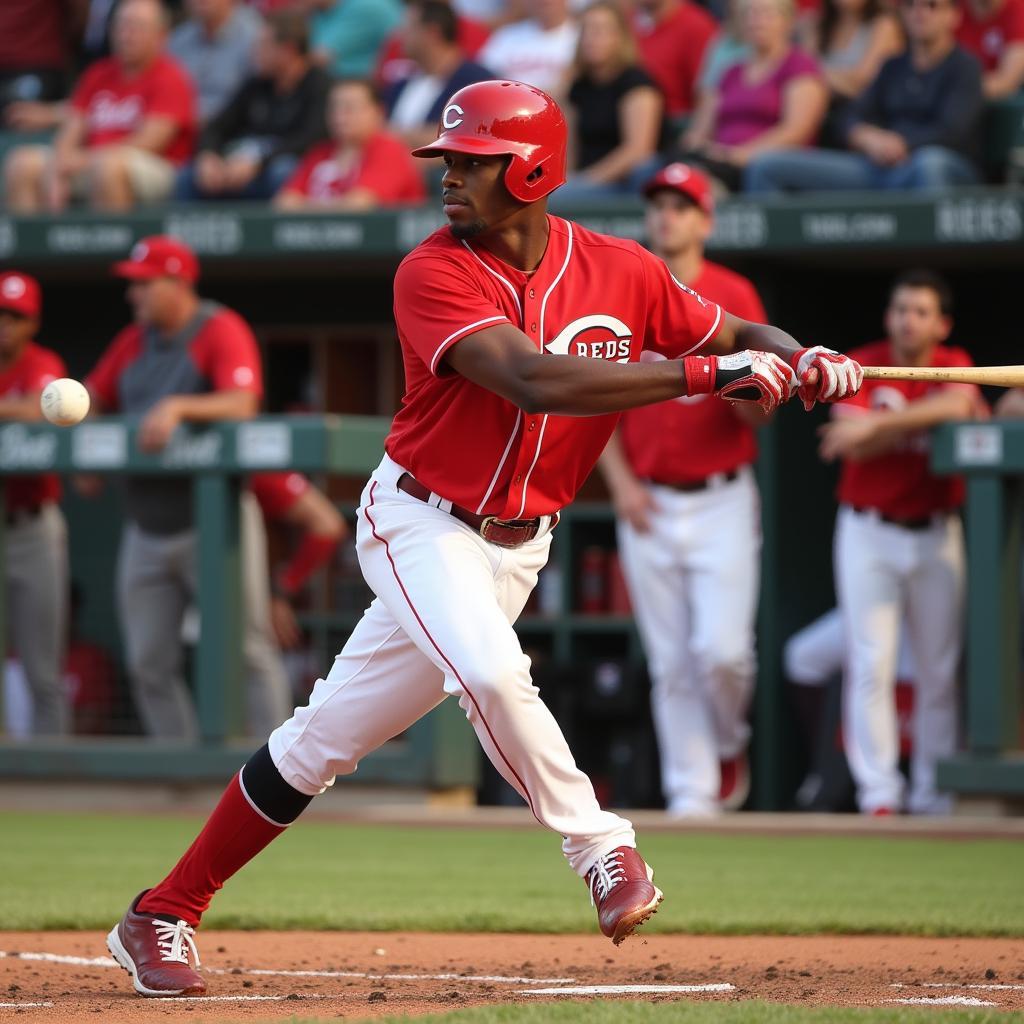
[689, 530]
[521, 335]
[899, 554]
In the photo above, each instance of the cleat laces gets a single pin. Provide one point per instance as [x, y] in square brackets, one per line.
[174, 940]
[605, 875]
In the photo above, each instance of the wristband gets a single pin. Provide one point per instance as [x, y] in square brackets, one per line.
[700, 373]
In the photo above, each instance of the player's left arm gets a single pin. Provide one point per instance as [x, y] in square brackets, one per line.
[824, 374]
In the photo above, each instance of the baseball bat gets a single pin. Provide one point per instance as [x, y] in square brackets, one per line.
[994, 376]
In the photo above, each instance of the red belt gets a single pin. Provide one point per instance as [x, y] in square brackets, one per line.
[506, 533]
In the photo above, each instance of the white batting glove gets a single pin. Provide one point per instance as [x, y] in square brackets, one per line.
[760, 377]
[838, 376]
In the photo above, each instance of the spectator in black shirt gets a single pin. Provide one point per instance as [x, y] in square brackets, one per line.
[615, 110]
[252, 147]
[916, 126]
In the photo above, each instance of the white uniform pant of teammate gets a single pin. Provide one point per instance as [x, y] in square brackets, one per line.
[441, 625]
[887, 575]
[693, 580]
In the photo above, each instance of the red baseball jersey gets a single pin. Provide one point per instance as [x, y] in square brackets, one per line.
[277, 492]
[386, 168]
[988, 38]
[900, 483]
[33, 370]
[114, 104]
[593, 297]
[690, 438]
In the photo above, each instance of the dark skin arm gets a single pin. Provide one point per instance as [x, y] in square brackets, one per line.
[504, 360]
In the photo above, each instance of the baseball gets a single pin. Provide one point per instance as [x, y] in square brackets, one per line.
[64, 401]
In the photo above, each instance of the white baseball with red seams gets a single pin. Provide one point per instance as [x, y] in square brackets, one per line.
[446, 599]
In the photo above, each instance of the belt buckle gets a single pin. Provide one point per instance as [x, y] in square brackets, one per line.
[485, 529]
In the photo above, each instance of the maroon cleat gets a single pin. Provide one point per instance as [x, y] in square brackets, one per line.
[155, 952]
[623, 890]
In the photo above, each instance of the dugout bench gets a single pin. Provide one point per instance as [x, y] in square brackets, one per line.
[439, 751]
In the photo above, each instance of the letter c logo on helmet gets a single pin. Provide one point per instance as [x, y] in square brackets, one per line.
[452, 122]
[499, 118]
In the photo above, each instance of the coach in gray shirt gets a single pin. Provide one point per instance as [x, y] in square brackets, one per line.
[215, 46]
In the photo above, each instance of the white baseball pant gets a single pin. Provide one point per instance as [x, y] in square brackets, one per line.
[693, 580]
[887, 575]
[441, 625]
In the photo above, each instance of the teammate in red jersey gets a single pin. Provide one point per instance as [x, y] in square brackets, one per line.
[36, 536]
[521, 335]
[899, 555]
[689, 532]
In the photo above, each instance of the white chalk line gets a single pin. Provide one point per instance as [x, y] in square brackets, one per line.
[404, 977]
[949, 984]
[943, 1001]
[617, 990]
[23, 1006]
[106, 961]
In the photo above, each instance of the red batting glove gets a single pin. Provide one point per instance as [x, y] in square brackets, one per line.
[837, 377]
[760, 377]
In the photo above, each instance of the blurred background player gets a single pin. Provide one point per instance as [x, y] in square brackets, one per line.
[689, 532]
[291, 499]
[35, 534]
[183, 360]
[899, 554]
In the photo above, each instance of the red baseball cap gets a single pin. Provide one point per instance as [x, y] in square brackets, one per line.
[159, 256]
[20, 294]
[685, 180]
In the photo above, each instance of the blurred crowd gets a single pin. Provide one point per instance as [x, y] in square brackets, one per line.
[316, 103]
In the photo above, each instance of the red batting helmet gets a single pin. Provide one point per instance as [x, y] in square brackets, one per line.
[498, 118]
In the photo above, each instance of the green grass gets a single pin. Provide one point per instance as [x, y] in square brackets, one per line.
[68, 871]
[751, 1012]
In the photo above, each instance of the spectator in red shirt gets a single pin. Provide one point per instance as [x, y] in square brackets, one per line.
[993, 30]
[131, 123]
[672, 35]
[35, 538]
[363, 165]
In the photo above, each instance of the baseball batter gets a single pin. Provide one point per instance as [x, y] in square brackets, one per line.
[689, 533]
[899, 554]
[35, 532]
[521, 336]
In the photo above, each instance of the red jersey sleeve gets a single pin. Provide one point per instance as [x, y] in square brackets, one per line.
[438, 302]
[46, 367]
[86, 86]
[1013, 23]
[679, 321]
[277, 492]
[103, 380]
[227, 355]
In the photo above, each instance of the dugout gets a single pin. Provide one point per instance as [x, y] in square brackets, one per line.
[317, 289]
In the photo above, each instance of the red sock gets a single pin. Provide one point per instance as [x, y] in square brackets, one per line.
[232, 836]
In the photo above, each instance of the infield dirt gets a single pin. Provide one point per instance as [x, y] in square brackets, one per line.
[348, 972]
